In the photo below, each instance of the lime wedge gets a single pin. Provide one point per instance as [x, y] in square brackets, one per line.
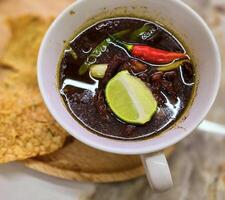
[130, 99]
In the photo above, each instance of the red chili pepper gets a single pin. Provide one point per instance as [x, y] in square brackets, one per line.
[151, 54]
[154, 55]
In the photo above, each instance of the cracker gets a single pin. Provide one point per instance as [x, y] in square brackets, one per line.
[29, 133]
[26, 127]
[26, 35]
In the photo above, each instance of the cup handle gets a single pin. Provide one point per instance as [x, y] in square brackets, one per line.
[157, 171]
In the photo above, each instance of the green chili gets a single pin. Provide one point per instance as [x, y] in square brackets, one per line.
[145, 31]
[72, 53]
[173, 65]
[97, 52]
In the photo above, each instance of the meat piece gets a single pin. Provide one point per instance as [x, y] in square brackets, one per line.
[159, 98]
[161, 81]
[138, 66]
[168, 87]
[125, 66]
[74, 98]
[99, 98]
[157, 76]
[187, 72]
[187, 67]
[86, 47]
[143, 77]
[113, 66]
[129, 130]
[156, 89]
[133, 66]
[170, 76]
[101, 105]
[86, 97]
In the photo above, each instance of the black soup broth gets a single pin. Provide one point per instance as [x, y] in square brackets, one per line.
[84, 95]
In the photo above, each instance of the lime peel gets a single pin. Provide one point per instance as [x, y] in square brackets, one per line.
[130, 99]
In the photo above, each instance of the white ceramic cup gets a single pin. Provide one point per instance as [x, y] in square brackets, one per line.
[177, 16]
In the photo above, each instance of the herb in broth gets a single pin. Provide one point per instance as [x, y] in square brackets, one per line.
[130, 79]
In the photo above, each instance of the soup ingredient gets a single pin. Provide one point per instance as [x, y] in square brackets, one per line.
[97, 52]
[154, 55]
[98, 70]
[130, 99]
[173, 65]
[145, 32]
[71, 52]
[151, 54]
[112, 68]
[138, 66]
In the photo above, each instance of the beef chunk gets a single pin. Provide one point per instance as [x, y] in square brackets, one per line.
[113, 66]
[101, 105]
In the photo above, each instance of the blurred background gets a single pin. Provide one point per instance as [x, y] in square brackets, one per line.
[198, 163]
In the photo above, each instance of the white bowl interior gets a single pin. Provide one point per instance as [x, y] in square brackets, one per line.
[176, 16]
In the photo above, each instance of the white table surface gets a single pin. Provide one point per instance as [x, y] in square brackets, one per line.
[20, 183]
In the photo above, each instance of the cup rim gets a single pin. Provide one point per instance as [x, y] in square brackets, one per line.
[157, 147]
